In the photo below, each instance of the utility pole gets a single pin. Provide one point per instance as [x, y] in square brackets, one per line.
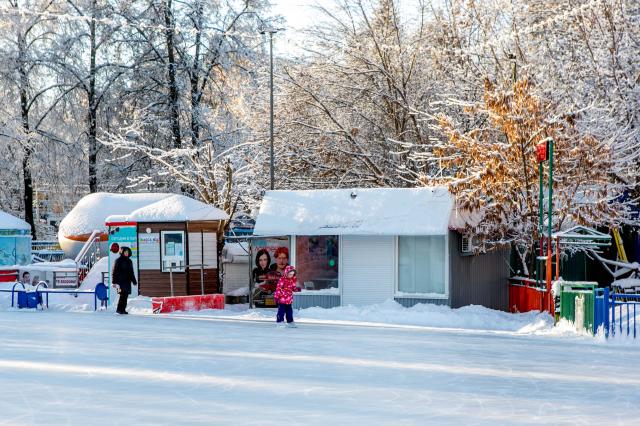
[271, 32]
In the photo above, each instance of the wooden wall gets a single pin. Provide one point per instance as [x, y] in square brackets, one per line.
[207, 234]
[157, 283]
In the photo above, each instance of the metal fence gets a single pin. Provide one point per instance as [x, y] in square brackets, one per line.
[46, 251]
[623, 313]
[616, 313]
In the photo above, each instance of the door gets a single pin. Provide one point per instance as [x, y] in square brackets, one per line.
[368, 269]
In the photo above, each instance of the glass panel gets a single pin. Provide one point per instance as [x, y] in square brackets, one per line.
[317, 262]
[7, 251]
[421, 264]
[173, 255]
[406, 260]
[23, 250]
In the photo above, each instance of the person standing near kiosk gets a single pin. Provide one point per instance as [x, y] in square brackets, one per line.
[123, 277]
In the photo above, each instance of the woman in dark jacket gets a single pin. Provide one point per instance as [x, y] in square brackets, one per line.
[123, 276]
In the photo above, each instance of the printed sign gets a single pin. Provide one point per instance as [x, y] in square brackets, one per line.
[123, 236]
[149, 251]
[65, 280]
[147, 240]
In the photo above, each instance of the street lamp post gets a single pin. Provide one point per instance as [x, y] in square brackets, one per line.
[271, 32]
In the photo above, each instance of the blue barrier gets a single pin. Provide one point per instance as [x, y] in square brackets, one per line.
[616, 313]
[13, 290]
[629, 302]
[26, 299]
[601, 314]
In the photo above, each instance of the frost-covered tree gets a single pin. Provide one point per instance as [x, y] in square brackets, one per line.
[352, 102]
[189, 99]
[87, 58]
[28, 103]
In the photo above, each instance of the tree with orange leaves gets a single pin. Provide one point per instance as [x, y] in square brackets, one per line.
[492, 168]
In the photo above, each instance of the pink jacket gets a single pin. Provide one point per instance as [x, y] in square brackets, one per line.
[285, 288]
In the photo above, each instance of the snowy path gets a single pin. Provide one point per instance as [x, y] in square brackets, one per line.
[80, 368]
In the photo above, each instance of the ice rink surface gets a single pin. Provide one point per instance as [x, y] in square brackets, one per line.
[67, 368]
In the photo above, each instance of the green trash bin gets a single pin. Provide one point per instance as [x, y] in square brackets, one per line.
[577, 303]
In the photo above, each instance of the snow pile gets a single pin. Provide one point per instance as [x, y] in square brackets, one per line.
[429, 315]
[362, 211]
[95, 274]
[92, 210]
[63, 265]
[175, 208]
[391, 312]
[10, 222]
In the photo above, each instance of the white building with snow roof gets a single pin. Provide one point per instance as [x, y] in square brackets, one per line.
[366, 246]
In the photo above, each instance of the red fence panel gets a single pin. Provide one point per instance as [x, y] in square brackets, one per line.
[525, 296]
[163, 305]
[8, 275]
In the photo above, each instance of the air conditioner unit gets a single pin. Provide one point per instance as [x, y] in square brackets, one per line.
[466, 246]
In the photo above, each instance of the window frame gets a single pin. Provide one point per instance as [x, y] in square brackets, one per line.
[399, 294]
[293, 260]
[163, 268]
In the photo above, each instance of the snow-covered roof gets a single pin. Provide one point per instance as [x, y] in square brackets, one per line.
[174, 208]
[372, 211]
[92, 210]
[10, 222]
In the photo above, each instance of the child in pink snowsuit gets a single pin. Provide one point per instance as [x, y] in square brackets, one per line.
[284, 295]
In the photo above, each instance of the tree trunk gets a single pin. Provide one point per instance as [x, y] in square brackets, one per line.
[93, 110]
[27, 196]
[195, 81]
[174, 112]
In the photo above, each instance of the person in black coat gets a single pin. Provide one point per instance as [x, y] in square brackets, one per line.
[123, 277]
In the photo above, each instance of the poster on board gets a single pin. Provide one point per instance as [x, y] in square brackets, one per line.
[269, 256]
[123, 236]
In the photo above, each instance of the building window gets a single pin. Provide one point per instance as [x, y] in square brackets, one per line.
[421, 265]
[173, 251]
[317, 263]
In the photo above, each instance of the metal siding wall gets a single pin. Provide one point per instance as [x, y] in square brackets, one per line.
[235, 276]
[478, 280]
[303, 301]
[408, 302]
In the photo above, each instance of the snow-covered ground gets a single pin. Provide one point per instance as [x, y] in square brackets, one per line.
[235, 367]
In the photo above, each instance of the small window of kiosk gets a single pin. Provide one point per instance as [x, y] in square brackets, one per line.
[173, 251]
